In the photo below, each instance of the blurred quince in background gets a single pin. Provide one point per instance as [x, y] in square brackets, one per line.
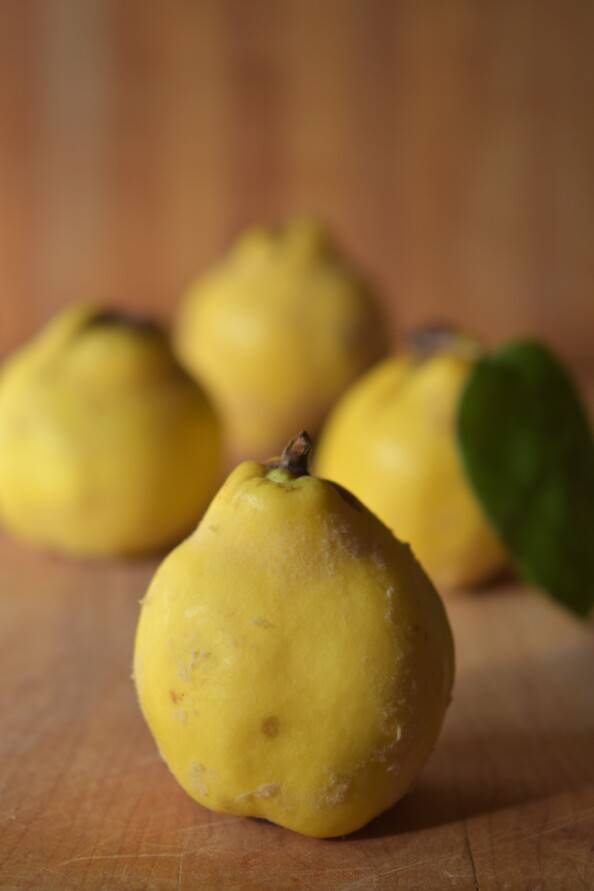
[392, 441]
[276, 331]
[107, 446]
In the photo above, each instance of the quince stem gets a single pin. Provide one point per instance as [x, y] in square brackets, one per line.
[295, 456]
[442, 337]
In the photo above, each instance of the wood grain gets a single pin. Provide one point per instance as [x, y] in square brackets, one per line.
[449, 144]
[506, 801]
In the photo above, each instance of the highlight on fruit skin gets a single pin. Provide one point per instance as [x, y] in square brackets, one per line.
[107, 446]
[293, 660]
[276, 330]
[392, 441]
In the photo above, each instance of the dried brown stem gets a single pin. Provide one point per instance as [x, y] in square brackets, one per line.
[295, 455]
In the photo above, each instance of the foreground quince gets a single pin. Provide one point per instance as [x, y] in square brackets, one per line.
[106, 445]
[293, 661]
[276, 331]
[392, 441]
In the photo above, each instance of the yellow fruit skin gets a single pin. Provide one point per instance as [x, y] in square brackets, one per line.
[293, 660]
[392, 441]
[106, 445]
[276, 331]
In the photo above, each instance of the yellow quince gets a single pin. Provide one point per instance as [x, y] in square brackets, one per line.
[392, 440]
[106, 445]
[276, 331]
[293, 661]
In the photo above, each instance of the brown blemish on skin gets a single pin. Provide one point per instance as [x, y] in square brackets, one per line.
[175, 697]
[270, 726]
[261, 623]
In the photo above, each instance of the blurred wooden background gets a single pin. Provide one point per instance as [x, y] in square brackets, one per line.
[449, 143]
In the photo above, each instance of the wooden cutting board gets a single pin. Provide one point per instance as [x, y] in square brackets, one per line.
[506, 801]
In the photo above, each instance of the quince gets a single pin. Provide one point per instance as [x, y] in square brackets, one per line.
[293, 661]
[106, 445]
[392, 440]
[276, 331]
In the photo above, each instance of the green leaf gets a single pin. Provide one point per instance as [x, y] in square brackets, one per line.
[529, 454]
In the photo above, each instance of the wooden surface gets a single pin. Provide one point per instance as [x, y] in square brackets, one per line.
[448, 142]
[506, 801]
